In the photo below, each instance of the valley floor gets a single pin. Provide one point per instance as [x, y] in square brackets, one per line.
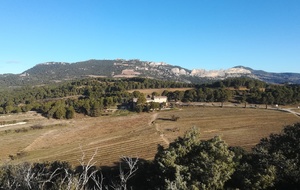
[136, 135]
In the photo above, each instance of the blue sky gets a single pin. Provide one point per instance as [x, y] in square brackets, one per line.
[207, 34]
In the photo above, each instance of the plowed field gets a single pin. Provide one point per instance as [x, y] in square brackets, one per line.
[135, 135]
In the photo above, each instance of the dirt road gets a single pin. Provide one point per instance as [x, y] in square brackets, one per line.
[152, 122]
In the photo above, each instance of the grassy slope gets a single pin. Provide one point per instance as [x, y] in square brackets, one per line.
[158, 90]
[135, 135]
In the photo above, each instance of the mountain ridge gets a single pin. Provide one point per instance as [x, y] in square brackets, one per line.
[47, 72]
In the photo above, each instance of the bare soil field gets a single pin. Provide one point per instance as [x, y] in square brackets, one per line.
[135, 135]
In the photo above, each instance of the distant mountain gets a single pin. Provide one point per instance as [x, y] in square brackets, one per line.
[59, 71]
[277, 78]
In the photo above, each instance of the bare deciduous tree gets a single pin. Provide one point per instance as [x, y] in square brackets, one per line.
[125, 176]
[27, 176]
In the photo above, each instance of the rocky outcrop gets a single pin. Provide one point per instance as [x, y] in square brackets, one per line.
[221, 73]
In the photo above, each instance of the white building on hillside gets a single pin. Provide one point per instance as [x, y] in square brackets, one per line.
[157, 99]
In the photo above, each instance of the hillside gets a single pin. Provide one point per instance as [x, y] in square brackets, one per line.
[53, 72]
[132, 134]
[98, 118]
[107, 68]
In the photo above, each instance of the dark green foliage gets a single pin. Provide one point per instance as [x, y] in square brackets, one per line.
[87, 96]
[251, 173]
[96, 108]
[222, 95]
[139, 108]
[282, 152]
[70, 112]
[239, 82]
[189, 163]
[273, 164]
[92, 96]
[154, 105]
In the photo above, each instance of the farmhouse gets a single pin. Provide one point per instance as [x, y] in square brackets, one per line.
[160, 100]
[156, 99]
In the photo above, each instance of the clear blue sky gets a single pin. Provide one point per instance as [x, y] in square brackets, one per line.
[208, 34]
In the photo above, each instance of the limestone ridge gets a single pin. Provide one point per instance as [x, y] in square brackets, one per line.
[44, 73]
[231, 72]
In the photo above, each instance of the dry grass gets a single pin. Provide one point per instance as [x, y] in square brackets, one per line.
[159, 90]
[136, 135]
[237, 126]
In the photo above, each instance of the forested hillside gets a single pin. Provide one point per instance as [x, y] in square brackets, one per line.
[63, 71]
[87, 96]
[93, 96]
[55, 72]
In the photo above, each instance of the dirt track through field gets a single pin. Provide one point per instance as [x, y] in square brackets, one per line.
[152, 122]
[134, 134]
[40, 141]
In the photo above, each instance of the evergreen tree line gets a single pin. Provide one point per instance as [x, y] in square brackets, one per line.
[188, 163]
[92, 96]
[239, 90]
[87, 96]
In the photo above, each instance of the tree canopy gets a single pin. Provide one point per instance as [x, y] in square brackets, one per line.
[191, 163]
